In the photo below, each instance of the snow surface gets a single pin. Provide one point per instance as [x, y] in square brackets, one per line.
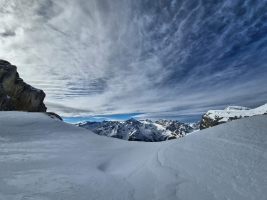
[235, 112]
[45, 159]
[229, 108]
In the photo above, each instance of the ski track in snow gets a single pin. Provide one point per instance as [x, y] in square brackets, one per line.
[45, 159]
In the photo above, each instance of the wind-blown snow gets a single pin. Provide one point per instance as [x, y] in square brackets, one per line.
[43, 159]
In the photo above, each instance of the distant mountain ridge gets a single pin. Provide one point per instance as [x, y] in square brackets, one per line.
[216, 117]
[141, 130]
[161, 130]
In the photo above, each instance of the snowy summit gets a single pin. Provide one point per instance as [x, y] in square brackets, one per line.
[215, 117]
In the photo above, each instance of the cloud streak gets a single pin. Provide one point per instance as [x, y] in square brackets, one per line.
[159, 58]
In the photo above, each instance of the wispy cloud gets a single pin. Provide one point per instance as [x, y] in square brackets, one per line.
[162, 59]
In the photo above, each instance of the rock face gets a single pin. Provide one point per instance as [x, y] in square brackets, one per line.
[143, 130]
[216, 117]
[15, 94]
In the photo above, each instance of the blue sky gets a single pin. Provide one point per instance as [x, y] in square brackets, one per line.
[100, 118]
[164, 59]
[123, 117]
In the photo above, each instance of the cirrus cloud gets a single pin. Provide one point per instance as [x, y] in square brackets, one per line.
[161, 59]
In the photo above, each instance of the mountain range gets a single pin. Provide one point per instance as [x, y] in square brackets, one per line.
[141, 130]
[161, 130]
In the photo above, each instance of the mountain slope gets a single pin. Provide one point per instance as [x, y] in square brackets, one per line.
[144, 130]
[45, 159]
[215, 117]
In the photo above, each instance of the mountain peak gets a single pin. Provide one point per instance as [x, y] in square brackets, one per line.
[144, 130]
[216, 117]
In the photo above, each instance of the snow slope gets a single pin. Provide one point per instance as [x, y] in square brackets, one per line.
[216, 117]
[235, 112]
[45, 159]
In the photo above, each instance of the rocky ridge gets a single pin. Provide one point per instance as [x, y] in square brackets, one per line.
[143, 130]
[15, 94]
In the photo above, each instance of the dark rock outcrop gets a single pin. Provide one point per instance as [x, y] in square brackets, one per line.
[15, 94]
[54, 116]
[207, 122]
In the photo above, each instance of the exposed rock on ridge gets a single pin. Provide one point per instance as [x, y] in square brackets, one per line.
[15, 94]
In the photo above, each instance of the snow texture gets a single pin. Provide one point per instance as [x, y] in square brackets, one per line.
[46, 159]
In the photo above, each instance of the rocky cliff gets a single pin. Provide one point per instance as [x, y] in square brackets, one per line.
[15, 94]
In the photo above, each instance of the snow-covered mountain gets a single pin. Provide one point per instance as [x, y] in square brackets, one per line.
[46, 159]
[215, 117]
[143, 130]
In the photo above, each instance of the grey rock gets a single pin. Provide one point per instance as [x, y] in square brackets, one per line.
[15, 94]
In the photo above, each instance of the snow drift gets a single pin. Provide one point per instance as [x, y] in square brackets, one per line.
[45, 159]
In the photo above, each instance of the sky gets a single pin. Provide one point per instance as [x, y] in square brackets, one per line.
[145, 58]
